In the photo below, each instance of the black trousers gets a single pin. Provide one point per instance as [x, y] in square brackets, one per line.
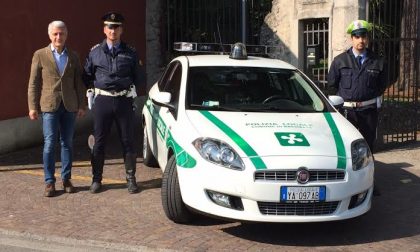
[365, 121]
[106, 110]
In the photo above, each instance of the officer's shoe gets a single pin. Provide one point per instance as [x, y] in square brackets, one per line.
[132, 185]
[95, 187]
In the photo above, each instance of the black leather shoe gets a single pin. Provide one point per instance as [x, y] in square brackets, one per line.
[95, 187]
[132, 186]
[68, 186]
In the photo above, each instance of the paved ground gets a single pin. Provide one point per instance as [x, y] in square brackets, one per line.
[116, 219]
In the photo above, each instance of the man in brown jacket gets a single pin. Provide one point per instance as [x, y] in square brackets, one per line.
[56, 90]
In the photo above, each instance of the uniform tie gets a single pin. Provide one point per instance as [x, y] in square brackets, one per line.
[113, 52]
[359, 61]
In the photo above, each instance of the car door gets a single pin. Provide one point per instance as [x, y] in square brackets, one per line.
[152, 116]
[167, 117]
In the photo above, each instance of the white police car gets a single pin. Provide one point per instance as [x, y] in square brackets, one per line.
[252, 139]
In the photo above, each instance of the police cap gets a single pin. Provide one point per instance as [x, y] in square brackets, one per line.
[113, 19]
[359, 27]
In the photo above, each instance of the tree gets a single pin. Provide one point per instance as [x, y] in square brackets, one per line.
[409, 29]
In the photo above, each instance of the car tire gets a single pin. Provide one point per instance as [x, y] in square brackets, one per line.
[148, 158]
[174, 207]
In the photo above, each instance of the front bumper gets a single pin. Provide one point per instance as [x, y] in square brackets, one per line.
[261, 198]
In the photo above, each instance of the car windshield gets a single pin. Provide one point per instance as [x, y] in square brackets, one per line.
[251, 89]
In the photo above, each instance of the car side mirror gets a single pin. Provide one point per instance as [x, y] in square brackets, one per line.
[163, 99]
[336, 101]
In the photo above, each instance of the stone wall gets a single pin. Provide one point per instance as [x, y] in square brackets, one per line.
[283, 29]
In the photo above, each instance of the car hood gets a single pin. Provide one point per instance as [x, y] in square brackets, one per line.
[275, 134]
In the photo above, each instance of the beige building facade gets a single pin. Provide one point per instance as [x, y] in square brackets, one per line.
[290, 20]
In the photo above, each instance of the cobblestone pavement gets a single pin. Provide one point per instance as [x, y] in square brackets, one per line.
[114, 216]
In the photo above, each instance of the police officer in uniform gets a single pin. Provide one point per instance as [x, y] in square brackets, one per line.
[357, 75]
[113, 71]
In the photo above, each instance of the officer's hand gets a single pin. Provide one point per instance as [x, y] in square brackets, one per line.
[33, 114]
[81, 113]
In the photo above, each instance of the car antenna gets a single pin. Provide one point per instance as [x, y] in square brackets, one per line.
[220, 37]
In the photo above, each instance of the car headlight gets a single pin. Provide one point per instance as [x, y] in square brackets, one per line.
[218, 152]
[360, 154]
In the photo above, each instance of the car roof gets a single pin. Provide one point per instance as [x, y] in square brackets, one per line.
[224, 60]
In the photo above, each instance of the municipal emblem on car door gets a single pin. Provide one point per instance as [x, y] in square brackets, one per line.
[291, 139]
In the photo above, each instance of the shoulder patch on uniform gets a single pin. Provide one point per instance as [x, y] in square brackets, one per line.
[93, 47]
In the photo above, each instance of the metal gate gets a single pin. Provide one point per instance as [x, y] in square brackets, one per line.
[315, 39]
[215, 21]
[202, 21]
[396, 37]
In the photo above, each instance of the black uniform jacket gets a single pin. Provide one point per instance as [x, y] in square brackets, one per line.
[353, 83]
[114, 73]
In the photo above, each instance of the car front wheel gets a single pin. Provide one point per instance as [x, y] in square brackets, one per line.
[174, 207]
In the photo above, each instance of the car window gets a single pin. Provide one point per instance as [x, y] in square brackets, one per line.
[173, 84]
[251, 89]
[167, 75]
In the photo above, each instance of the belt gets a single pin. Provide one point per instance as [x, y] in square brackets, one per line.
[111, 93]
[350, 104]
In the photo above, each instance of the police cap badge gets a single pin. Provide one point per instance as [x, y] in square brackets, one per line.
[113, 19]
[359, 27]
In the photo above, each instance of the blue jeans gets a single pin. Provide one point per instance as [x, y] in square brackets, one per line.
[60, 122]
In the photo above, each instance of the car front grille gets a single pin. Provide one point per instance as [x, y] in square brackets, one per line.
[290, 175]
[302, 209]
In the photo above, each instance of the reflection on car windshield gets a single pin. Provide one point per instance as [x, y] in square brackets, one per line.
[251, 89]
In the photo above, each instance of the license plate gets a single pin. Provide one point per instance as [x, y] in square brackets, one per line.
[302, 194]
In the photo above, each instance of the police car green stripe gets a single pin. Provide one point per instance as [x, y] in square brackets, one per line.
[183, 159]
[249, 151]
[341, 151]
